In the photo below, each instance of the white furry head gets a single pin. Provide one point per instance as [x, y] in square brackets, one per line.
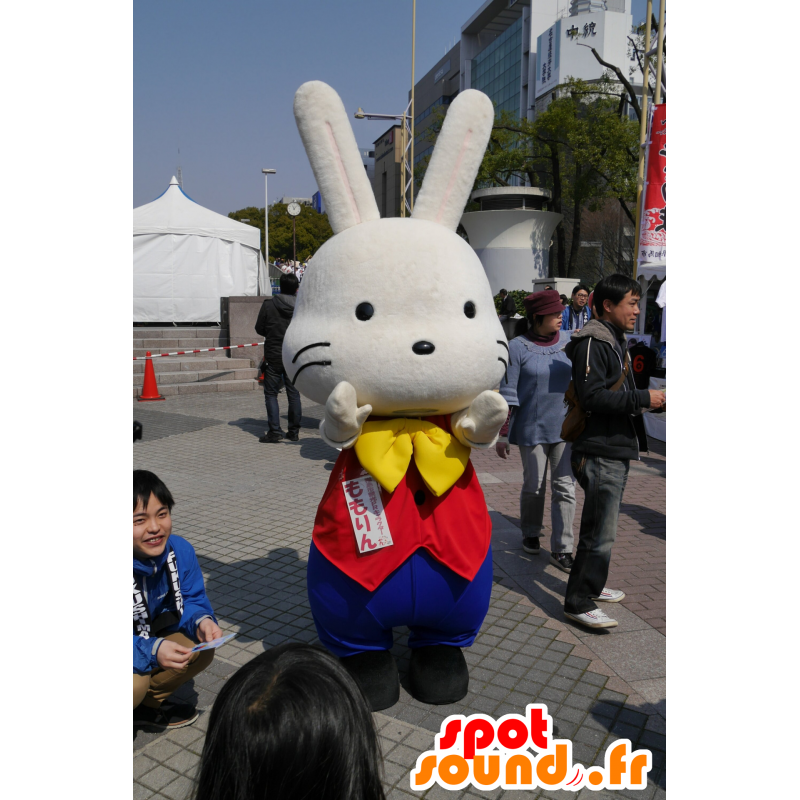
[399, 308]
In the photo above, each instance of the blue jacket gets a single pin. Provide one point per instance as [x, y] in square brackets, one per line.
[158, 599]
[536, 382]
[571, 321]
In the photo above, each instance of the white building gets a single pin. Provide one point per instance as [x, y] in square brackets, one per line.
[564, 50]
[516, 51]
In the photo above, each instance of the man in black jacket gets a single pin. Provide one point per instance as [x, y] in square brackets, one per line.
[273, 320]
[602, 452]
[508, 310]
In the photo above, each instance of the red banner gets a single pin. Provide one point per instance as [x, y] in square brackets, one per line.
[653, 236]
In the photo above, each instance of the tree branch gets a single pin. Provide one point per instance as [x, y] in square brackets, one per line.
[623, 80]
[626, 210]
[621, 106]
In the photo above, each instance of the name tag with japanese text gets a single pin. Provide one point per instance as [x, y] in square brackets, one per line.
[363, 498]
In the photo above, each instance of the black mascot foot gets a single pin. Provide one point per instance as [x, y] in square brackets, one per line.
[376, 673]
[438, 674]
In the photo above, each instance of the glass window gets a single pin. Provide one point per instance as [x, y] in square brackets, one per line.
[496, 69]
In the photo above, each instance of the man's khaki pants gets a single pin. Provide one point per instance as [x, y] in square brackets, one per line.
[153, 689]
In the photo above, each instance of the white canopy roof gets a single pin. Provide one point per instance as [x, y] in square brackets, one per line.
[175, 212]
[186, 257]
[653, 269]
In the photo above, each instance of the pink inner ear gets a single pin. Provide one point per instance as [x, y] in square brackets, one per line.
[453, 176]
[338, 156]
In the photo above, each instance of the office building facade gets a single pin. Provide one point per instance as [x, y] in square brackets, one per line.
[432, 94]
[386, 178]
[517, 51]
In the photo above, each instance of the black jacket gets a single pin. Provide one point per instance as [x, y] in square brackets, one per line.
[614, 427]
[508, 307]
[273, 320]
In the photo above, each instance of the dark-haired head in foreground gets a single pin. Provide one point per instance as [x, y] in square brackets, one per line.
[146, 483]
[291, 724]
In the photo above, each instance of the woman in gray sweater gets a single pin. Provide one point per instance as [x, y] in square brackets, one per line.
[538, 375]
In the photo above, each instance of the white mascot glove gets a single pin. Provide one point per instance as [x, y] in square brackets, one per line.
[478, 425]
[343, 419]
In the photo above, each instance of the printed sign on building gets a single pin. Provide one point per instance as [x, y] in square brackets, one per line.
[548, 52]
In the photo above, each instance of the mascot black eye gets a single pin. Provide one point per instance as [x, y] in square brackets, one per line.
[364, 311]
[469, 309]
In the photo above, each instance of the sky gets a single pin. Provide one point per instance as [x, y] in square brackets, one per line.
[216, 81]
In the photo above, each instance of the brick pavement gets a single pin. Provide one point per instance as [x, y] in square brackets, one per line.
[638, 565]
[248, 509]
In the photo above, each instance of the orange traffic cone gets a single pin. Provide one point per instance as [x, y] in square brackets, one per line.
[150, 388]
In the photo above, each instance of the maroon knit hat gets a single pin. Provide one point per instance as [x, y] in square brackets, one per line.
[546, 302]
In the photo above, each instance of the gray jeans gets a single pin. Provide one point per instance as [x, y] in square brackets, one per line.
[603, 480]
[535, 461]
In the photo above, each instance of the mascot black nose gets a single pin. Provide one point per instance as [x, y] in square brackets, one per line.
[423, 348]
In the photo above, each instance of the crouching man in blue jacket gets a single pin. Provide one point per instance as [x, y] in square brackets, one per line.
[171, 612]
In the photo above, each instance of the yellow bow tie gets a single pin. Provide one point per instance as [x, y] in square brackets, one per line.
[385, 448]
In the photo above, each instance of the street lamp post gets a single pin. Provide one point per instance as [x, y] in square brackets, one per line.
[266, 218]
[411, 104]
[406, 143]
[406, 130]
[266, 172]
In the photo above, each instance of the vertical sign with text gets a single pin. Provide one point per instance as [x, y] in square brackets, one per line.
[653, 232]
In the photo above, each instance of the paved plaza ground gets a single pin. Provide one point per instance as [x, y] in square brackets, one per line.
[248, 509]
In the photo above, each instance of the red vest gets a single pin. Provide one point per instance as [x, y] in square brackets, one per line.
[455, 528]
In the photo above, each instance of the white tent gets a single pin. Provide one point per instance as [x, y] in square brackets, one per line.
[652, 269]
[186, 257]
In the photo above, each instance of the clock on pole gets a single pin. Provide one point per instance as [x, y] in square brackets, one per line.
[293, 209]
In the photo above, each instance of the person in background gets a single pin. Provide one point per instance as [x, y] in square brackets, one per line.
[292, 724]
[171, 612]
[273, 320]
[564, 300]
[602, 452]
[508, 308]
[643, 363]
[538, 375]
[577, 313]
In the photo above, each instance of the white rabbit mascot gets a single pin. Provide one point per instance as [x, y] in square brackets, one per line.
[395, 331]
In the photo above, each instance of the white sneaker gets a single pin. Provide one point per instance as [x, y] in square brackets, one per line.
[610, 595]
[593, 619]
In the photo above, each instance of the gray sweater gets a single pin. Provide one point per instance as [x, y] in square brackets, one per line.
[536, 382]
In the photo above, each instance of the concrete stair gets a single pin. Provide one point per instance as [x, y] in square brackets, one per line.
[192, 373]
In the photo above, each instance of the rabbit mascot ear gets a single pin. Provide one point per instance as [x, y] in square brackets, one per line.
[456, 159]
[394, 330]
[335, 160]
[334, 156]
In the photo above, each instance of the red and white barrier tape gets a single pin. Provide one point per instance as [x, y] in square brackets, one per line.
[202, 350]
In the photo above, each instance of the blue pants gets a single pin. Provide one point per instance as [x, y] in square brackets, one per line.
[603, 480]
[438, 606]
